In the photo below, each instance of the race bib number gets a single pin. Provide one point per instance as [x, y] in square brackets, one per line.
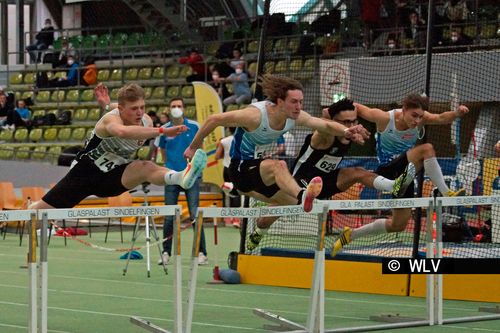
[109, 161]
[328, 163]
[261, 151]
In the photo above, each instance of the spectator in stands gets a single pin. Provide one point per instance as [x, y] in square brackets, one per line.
[237, 59]
[241, 90]
[164, 118]
[172, 151]
[456, 10]
[415, 29]
[197, 63]
[44, 38]
[71, 79]
[89, 73]
[4, 109]
[20, 116]
[497, 147]
[154, 118]
[218, 84]
[370, 14]
[457, 42]
[67, 50]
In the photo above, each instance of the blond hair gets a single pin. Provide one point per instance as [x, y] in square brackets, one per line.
[130, 93]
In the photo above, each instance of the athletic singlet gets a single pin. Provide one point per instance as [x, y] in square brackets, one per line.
[109, 152]
[251, 145]
[318, 162]
[393, 142]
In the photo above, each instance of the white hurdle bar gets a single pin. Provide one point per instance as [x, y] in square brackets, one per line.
[108, 212]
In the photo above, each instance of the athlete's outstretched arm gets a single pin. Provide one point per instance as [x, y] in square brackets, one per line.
[446, 117]
[374, 115]
[111, 125]
[102, 97]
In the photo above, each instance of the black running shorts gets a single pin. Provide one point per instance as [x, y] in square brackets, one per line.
[394, 169]
[329, 188]
[245, 175]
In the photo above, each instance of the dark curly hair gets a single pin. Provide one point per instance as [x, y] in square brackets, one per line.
[342, 105]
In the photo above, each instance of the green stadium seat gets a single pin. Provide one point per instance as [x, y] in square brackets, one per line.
[27, 94]
[159, 73]
[6, 135]
[39, 152]
[29, 78]
[78, 134]
[253, 46]
[58, 96]
[269, 67]
[280, 45]
[6, 152]
[293, 45]
[173, 71]
[281, 67]
[80, 114]
[185, 71]
[143, 153]
[38, 113]
[50, 134]
[64, 134]
[488, 31]
[187, 92]
[59, 75]
[103, 41]
[232, 107]
[73, 95]
[147, 92]
[16, 78]
[43, 96]
[229, 87]
[88, 44]
[23, 152]
[470, 31]
[35, 135]
[21, 135]
[212, 48]
[252, 69]
[158, 93]
[116, 74]
[53, 152]
[94, 114]
[148, 38]
[296, 65]
[118, 40]
[113, 94]
[191, 111]
[133, 41]
[131, 74]
[87, 95]
[76, 41]
[173, 91]
[57, 45]
[103, 75]
[144, 73]
[88, 133]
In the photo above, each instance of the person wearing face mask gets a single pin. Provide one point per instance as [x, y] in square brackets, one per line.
[71, 79]
[44, 39]
[458, 42]
[171, 150]
[241, 90]
[218, 84]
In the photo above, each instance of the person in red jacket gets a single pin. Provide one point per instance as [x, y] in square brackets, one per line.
[198, 65]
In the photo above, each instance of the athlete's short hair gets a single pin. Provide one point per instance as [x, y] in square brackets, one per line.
[342, 105]
[275, 87]
[416, 101]
[130, 93]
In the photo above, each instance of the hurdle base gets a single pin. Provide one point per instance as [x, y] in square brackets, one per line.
[284, 324]
[147, 325]
[494, 309]
[389, 318]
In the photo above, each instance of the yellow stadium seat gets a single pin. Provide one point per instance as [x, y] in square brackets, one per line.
[187, 92]
[64, 134]
[43, 96]
[38, 152]
[232, 107]
[143, 153]
[23, 152]
[293, 45]
[147, 92]
[191, 111]
[21, 135]
[87, 95]
[78, 134]
[144, 73]
[73, 95]
[6, 152]
[50, 134]
[296, 65]
[80, 114]
[151, 109]
[35, 135]
[88, 133]
[173, 71]
[103, 75]
[280, 45]
[6, 135]
[212, 48]
[53, 152]
[27, 94]
[281, 67]
[59, 74]
[253, 46]
[94, 114]
[16, 78]
[159, 73]
[29, 78]
[58, 96]
[269, 67]
[185, 71]
[252, 69]
[116, 74]
[173, 91]
[131, 74]
[158, 93]
[113, 94]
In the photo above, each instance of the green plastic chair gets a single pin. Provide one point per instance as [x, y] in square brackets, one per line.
[159, 73]
[187, 92]
[232, 107]
[116, 74]
[94, 114]
[6, 152]
[21, 135]
[103, 75]
[252, 69]
[118, 40]
[88, 44]
[144, 73]
[64, 134]
[39, 152]
[280, 45]
[27, 94]
[6, 135]
[78, 134]
[53, 152]
[80, 114]
[36, 135]
[133, 41]
[113, 94]
[143, 153]
[43, 96]
[191, 112]
[50, 134]
[57, 45]
[103, 41]
[293, 45]
[269, 67]
[131, 74]
[147, 92]
[23, 153]
[73, 95]
[58, 96]
[88, 133]
[87, 95]
[29, 78]
[253, 46]
[173, 71]
[16, 78]
[185, 71]
[173, 91]
[281, 67]
[296, 65]
[158, 93]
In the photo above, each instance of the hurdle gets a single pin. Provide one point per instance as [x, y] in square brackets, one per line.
[38, 304]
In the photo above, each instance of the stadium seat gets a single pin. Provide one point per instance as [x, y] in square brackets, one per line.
[488, 31]
[80, 114]
[38, 113]
[269, 67]
[23, 153]
[6, 135]
[293, 45]
[59, 74]
[32, 193]
[50, 134]
[232, 107]
[38, 152]
[58, 96]
[144, 73]
[159, 73]
[133, 41]
[280, 45]
[131, 74]
[309, 65]
[16, 78]
[173, 71]
[147, 92]
[113, 94]
[73, 95]
[76, 41]
[253, 46]
[103, 75]
[29, 78]
[158, 93]
[78, 134]
[118, 40]
[87, 95]
[116, 74]
[212, 48]
[281, 67]
[143, 153]
[88, 133]
[43, 96]
[229, 87]
[35, 135]
[470, 31]
[21, 135]
[191, 112]
[53, 152]
[173, 91]
[187, 92]
[64, 134]
[252, 69]
[103, 41]
[27, 94]
[296, 65]
[6, 152]
[185, 71]
[88, 44]
[94, 114]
